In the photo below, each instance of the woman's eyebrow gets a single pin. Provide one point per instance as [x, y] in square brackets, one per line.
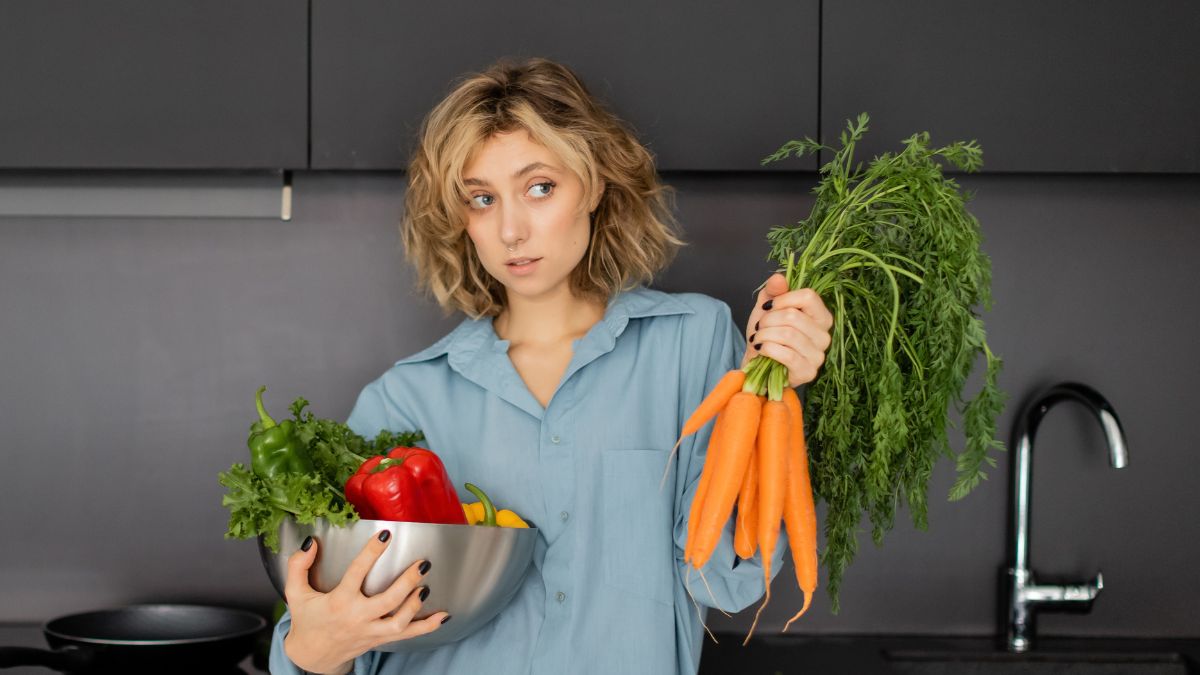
[532, 167]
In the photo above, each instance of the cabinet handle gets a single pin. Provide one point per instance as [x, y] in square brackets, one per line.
[285, 208]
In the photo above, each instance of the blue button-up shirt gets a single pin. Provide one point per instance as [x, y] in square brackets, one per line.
[608, 593]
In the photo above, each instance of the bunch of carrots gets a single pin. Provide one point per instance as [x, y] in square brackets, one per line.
[893, 250]
[757, 458]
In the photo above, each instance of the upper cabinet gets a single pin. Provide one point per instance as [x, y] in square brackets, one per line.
[1065, 86]
[706, 85]
[186, 84]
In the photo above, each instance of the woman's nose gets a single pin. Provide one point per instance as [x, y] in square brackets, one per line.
[514, 224]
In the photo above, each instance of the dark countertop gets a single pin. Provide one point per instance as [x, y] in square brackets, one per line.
[799, 655]
[30, 635]
[894, 655]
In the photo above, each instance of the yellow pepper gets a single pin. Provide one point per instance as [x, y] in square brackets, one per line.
[476, 514]
[506, 518]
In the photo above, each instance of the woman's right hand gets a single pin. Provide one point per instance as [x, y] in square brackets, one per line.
[330, 629]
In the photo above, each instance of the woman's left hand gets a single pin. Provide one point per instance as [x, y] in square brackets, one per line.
[791, 327]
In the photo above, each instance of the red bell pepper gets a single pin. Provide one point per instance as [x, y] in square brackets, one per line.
[408, 485]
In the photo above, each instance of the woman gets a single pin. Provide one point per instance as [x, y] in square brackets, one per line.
[535, 212]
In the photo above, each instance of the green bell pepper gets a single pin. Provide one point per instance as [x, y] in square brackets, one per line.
[274, 448]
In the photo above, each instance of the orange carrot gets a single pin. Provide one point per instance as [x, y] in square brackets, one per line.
[731, 456]
[745, 535]
[774, 432]
[694, 515]
[799, 512]
[729, 384]
[702, 488]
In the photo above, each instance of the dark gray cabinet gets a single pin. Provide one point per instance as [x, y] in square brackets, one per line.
[1064, 86]
[189, 84]
[707, 85]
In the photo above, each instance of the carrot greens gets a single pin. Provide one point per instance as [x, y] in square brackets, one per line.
[896, 256]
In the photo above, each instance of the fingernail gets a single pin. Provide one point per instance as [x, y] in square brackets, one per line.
[424, 593]
[755, 325]
[446, 619]
[752, 335]
[385, 535]
[758, 346]
[307, 543]
[768, 304]
[424, 568]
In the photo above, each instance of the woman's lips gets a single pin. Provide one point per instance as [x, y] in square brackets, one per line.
[522, 266]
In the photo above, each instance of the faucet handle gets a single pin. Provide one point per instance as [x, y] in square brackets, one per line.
[1064, 598]
[1084, 592]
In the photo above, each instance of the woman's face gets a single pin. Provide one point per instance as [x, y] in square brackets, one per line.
[522, 197]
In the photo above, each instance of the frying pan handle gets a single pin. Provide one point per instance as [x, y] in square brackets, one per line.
[67, 658]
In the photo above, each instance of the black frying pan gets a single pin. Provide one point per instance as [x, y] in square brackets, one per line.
[143, 638]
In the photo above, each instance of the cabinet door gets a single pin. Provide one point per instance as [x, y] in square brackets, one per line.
[706, 85]
[132, 84]
[1063, 86]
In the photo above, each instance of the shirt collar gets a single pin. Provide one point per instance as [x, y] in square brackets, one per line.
[478, 354]
[474, 335]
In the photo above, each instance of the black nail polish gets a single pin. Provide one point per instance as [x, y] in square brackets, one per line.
[752, 336]
[446, 619]
[424, 568]
[307, 543]
[424, 593]
[758, 346]
[756, 325]
[385, 535]
[768, 304]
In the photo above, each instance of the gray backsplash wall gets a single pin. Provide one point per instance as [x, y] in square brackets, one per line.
[130, 351]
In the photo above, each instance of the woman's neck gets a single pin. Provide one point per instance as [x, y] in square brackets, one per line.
[547, 320]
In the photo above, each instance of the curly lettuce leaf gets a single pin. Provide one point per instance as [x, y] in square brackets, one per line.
[257, 505]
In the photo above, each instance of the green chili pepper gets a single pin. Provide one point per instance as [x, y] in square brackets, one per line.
[274, 448]
[489, 509]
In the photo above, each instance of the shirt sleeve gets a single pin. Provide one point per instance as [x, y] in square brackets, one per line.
[377, 410]
[726, 582]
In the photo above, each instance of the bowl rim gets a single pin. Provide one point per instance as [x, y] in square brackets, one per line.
[391, 523]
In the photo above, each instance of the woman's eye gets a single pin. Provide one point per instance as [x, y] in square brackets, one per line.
[481, 201]
[542, 189]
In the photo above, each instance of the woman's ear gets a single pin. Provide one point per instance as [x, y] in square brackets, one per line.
[597, 197]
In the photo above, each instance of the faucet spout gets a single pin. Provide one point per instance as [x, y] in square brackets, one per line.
[1023, 594]
[1118, 455]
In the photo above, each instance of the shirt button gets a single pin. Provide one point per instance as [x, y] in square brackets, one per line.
[560, 596]
[564, 515]
[554, 439]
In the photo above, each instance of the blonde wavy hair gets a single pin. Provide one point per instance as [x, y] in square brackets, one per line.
[634, 233]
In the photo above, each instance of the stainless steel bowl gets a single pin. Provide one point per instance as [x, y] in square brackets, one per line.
[475, 570]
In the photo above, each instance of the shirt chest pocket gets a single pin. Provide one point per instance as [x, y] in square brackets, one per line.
[637, 553]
